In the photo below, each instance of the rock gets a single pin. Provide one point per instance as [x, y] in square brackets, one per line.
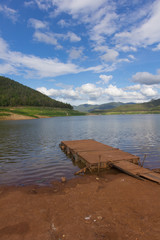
[53, 227]
[88, 217]
[34, 191]
[99, 217]
[63, 179]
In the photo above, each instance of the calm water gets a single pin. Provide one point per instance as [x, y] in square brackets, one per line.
[30, 153]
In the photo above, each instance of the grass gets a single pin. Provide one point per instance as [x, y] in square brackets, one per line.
[130, 109]
[4, 114]
[37, 112]
[125, 113]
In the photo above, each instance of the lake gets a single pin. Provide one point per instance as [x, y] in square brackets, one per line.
[30, 153]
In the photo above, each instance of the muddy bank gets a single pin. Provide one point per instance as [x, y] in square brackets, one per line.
[113, 206]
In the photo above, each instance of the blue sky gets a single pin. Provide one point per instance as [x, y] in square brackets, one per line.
[83, 51]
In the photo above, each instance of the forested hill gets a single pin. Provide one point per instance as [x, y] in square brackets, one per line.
[13, 93]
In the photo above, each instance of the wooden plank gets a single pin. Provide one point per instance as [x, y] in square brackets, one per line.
[98, 155]
[126, 167]
[131, 167]
[135, 170]
[152, 176]
[86, 145]
[107, 156]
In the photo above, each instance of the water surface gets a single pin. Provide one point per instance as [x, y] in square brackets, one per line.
[30, 153]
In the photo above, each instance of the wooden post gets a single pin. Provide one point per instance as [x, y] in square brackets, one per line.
[99, 162]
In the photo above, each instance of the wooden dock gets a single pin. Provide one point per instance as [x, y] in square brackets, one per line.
[95, 156]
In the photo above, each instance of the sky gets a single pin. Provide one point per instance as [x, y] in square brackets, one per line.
[83, 51]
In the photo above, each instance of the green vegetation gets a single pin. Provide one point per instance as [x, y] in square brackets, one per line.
[152, 107]
[16, 98]
[4, 114]
[91, 108]
[38, 112]
[13, 93]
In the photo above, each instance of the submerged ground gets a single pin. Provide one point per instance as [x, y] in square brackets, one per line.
[112, 206]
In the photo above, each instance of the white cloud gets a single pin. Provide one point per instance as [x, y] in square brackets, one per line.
[76, 53]
[30, 65]
[9, 12]
[38, 24]
[110, 55]
[75, 7]
[104, 27]
[47, 37]
[59, 93]
[146, 78]
[123, 60]
[104, 79]
[157, 48]
[90, 93]
[134, 87]
[102, 68]
[114, 91]
[72, 36]
[125, 48]
[36, 67]
[148, 91]
[44, 4]
[131, 56]
[7, 68]
[29, 3]
[63, 23]
[3, 46]
[100, 16]
[146, 33]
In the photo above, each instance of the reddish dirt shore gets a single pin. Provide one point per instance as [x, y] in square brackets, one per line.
[13, 116]
[112, 207]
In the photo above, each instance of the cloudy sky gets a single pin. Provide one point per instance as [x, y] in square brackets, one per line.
[83, 51]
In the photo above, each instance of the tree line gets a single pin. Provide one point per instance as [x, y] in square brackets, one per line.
[13, 93]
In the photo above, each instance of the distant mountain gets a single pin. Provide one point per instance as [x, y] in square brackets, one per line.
[152, 106]
[13, 93]
[85, 107]
[105, 106]
[153, 103]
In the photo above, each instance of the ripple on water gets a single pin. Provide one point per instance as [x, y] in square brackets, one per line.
[30, 150]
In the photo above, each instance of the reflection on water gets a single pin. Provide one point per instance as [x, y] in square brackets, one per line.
[30, 153]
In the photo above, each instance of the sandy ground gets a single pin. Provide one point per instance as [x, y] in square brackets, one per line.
[112, 206]
[19, 117]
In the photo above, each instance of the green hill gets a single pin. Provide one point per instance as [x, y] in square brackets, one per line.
[14, 94]
[91, 108]
[85, 107]
[152, 106]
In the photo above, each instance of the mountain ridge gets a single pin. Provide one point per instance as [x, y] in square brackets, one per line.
[105, 106]
[13, 93]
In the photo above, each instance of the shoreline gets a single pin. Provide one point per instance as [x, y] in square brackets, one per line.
[110, 206]
[15, 117]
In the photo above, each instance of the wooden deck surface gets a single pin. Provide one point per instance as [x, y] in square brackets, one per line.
[96, 155]
[85, 145]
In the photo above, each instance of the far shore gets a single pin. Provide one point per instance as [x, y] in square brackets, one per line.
[14, 116]
[109, 206]
[35, 112]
